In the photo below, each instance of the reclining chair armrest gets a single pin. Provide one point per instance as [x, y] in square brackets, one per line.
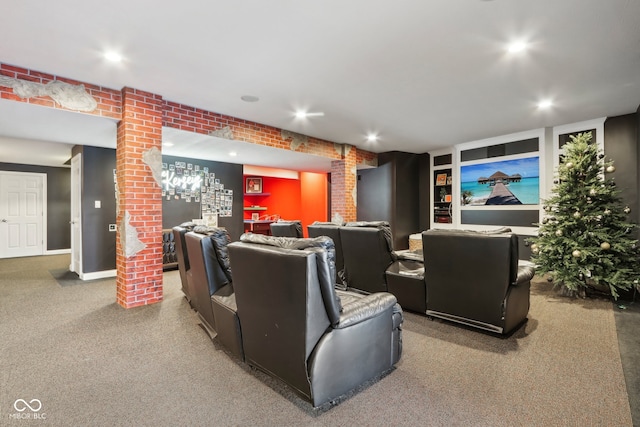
[409, 255]
[365, 308]
[526, 271]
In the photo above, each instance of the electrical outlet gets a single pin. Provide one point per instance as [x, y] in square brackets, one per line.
[112, 227]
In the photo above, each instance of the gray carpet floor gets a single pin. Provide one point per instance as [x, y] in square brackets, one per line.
[91, 362]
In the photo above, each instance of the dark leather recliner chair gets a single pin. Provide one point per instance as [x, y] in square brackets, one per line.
[476, 279]
[286, 229]
[210, 269]
[332, 230]
[368, 252]
[183, 257]
[298, 328]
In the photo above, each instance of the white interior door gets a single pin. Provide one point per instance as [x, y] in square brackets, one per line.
[21, 214]
[76, 218]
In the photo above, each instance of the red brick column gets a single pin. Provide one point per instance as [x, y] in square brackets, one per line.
[138, 246]
[343, 185]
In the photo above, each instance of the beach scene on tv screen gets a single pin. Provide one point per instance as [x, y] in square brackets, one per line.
[505, 182]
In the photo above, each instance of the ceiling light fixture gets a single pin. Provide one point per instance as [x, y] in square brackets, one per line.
[545, 104]
[233, 153]
[167, 144]
[113, 56]
[517, 47]
[304, 114]
[372, 137]
[249, 98]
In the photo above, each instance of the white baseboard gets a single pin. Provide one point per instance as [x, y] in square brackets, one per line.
[98, 275]
[58, 252]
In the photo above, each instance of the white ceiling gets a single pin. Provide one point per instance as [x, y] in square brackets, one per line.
[423, 74]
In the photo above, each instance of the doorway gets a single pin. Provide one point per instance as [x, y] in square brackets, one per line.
[22, 213]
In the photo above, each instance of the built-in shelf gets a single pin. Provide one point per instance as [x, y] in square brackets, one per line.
[442, 197]
[257, 194]
[255, 208]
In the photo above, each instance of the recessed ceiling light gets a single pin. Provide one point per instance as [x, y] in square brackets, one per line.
[304, 114]
[233, 153]
[113, 56]
[167, 144]
[249, 98]
[372, 137]
[545, 104]
[517, 47]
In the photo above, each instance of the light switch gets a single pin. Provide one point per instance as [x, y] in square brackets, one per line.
[98, 204]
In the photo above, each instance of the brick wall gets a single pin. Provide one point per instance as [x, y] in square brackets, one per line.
[139, 276]
[109, 100]
[343, 186]
[192, 119]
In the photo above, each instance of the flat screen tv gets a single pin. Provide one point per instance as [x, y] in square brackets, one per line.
[499, 183]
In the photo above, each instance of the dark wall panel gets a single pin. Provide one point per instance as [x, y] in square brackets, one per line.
[620, 145]
[175, 212]
[638, 154]
[499, 150]
[424, 192]
[98, 243]
[374, 194]
[391, 192]
[515, 218]
[58, 202]
[405, 187]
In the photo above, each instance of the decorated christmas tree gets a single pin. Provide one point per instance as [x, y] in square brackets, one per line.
[585, 241]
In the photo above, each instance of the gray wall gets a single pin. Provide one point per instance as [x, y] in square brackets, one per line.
[424, 191]
[621, 146]
[98, 243]
[390, 192]
[374, 194]
[175, 212]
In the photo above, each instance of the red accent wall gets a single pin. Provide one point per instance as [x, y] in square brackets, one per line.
[304, 199]
[314, 198]
[284, 200]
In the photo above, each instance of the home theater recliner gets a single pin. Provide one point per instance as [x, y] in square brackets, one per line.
[476, 279]
[486, 287]
[332, 230]
[298, 328]
[207, 248]
[211, 282]
[283, 228]
[184, 265]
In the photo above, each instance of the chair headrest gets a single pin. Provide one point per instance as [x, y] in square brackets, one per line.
[220, 239]
[368, 224]
[328, 223]
[188, 226]
[324, 248]
[380, 225]
[289, 242]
